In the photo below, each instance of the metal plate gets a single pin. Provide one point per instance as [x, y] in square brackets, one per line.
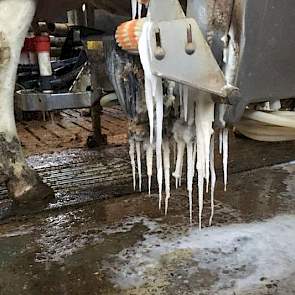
[30, 101]
[267, 60]
[199, 70]
[266, 65]
[165, 10]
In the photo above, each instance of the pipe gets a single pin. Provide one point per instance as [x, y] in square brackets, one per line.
[272, 127]
[58, 29]
[272, 118]
[108, 99]
[42, 44]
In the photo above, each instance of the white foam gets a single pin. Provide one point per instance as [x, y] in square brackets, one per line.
[247, 251]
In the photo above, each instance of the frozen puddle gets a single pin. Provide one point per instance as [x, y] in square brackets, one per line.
[235, 258]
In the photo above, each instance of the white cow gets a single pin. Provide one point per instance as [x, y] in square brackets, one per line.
[16, 16]
[24, 185]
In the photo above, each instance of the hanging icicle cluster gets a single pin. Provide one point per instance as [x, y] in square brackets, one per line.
[187, 128]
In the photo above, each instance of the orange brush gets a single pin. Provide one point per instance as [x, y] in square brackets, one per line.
[128, 34]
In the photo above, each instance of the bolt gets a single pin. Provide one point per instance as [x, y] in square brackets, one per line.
[190, 46]
[159, 51]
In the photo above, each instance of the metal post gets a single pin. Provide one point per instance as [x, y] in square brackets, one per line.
[96, 62]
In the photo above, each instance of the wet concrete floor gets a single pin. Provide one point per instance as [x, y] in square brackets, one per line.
[127, 246]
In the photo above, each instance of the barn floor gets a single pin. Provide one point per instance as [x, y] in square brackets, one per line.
[87, 242]
[70, 129]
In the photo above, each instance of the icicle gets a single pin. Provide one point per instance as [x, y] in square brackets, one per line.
[200, 146]
[220, 141]
[200, 169]
[181, 103]
[225, 156]
[174, 152]
[185, 102]
[204, 117]
[150, 107]
[159, 127]
[154, 85]
[149, 163]
[139, 10]
[179, 162]
[190, 177]
[208, 135]
[133, 7]
[213, 177]
[195, 153]
[149, 79]
[138, 154]
[189, 137]
[181, 169]
[166, 152]
[180, 94]
[132, 158]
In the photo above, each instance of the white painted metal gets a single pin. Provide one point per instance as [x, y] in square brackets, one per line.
[199, 70]
[44, 64]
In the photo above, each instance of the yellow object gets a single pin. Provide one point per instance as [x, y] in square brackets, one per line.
[94, 45]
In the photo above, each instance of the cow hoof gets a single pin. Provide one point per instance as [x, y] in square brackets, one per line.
[29, 190]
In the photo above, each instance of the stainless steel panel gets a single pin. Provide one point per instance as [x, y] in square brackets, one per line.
[32, 101]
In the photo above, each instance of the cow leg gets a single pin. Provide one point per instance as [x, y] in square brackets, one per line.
[24, 185]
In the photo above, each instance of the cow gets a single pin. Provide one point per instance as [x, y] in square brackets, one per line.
[16, 16]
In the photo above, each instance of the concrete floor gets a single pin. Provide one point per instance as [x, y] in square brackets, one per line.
[127, 246]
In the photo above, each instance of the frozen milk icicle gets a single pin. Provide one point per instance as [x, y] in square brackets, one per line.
[225, 156]
[166, 156]
[149, 163]
[159, 130]
[138, 154]
[132, 159]
[213, 177]
[144, 52]
[190, 177]
[204, 118]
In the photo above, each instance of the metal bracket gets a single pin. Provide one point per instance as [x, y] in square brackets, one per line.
[179, 50]
[28, 101]
[165, 10]
[188, 58]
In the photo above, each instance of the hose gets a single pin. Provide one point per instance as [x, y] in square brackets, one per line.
[271, 127]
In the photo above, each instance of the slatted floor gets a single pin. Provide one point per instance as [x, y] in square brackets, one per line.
[79, 176]
[70, 129]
